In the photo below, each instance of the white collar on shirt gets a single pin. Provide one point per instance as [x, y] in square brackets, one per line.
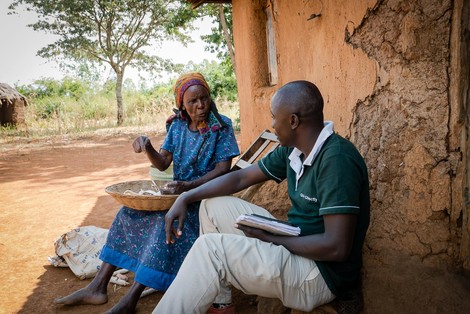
[296, 163]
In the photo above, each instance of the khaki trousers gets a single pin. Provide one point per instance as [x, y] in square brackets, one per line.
[223, 256]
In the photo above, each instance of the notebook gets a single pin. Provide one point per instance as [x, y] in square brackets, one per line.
[272, 225]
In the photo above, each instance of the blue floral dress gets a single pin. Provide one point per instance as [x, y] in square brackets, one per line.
[136, 239]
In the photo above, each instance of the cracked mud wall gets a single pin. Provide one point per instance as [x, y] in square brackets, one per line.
[384, 69]
[305, 48]
[395, 78]
[459, 99]
[402, 129]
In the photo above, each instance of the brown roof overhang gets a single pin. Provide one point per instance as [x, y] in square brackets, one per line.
[197, 3]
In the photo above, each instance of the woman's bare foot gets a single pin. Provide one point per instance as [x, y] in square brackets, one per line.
[121, 308]
[83, 296]
[128, 302]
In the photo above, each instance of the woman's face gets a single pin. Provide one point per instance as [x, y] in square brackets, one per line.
[196, 102]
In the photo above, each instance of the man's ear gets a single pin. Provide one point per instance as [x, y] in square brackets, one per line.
[294, 121]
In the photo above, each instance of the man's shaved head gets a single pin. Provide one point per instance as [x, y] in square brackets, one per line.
[302, 98]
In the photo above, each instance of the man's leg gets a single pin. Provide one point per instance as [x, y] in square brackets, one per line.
[218, 215]
[250, 265]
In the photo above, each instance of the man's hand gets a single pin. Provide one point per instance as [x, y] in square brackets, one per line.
[253, 232]
[177, 212]
[140, 144]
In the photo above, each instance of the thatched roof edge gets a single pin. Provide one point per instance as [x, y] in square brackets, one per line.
[8, 94]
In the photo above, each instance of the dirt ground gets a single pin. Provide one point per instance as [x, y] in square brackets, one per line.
[50, 187]
[47, 189]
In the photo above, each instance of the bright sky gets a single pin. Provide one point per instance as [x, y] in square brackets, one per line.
[19, 44]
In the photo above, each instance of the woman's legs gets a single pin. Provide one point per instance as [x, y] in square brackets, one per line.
[128, 303]
[95, 293]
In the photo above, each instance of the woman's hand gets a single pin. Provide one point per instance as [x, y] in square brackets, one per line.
[140, 144]
[177, 212]
[174, 187]
[170, 119]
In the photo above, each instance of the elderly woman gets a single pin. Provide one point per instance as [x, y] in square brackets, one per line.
[201, 144]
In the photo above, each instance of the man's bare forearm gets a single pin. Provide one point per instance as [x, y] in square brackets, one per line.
[227, 184]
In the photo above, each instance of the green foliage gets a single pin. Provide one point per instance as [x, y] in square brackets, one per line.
[219, 76]
[47, 109]
[71, 106]
[117, 33]
[215, 41]
[114, 32]
[222, 81]
[109, 87]
[68, 87]
[86, 71]
[91, 33]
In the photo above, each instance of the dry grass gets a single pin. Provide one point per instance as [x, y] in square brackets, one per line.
[69, 125]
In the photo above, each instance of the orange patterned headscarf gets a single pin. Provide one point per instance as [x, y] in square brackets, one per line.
[186, 81]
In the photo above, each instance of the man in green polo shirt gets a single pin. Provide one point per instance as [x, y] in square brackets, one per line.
[329, 190]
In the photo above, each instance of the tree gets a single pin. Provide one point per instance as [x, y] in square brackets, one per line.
[219, 76]
[220, 40]
[108, 31]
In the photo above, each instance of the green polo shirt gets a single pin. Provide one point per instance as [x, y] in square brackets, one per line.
[335, 183]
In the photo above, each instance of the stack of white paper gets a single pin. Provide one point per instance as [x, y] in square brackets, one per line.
[269, 224]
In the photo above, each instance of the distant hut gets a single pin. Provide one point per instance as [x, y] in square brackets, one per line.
[12, 106]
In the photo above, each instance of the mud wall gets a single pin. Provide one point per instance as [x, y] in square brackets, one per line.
[403, 131]
[459, 99]
[384, 70]
[312, 49]
[12, 112]
[252, 75]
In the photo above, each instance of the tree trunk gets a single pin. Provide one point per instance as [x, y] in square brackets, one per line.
[120, 115]
[228, 39]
